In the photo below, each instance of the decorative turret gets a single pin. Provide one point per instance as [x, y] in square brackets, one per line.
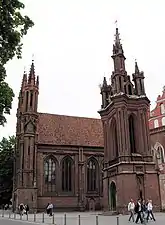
[138, 78]
[105, 92]
[29, 91]
[119, 73]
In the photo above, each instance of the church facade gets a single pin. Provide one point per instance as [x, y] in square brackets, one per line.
[81, 163]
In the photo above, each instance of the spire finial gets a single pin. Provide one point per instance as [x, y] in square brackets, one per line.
[33, 57]
[136, 67]
[116, 23]
[32, 72]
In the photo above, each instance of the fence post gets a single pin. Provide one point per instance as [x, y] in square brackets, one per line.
[34, 216]
[117, 220]
[79, 220]
[97, 220]
[53, 219]
[64, 219]
[43, 217]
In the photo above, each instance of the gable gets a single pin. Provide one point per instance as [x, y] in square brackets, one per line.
[69, 130]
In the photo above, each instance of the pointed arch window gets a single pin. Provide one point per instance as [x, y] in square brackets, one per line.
[162, 108]
[92, 175]
[50, 174]
[114, 138]
[132, 134]
[67, 174]
[160, 155]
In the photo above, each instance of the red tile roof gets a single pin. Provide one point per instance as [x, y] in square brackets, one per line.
[69, 130]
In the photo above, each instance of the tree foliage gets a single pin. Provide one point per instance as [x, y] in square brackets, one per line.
[6, 168]
[13, 26]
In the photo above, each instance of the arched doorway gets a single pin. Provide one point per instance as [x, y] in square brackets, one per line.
[112, 196]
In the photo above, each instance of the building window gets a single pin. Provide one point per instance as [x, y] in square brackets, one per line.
[67, 174]
[129, 89]
[163, 121]
[27, 100]
[50, 174]
[92, 169]
[160, 155]
[132, 134]
[162, 108]
[114, 139]
[156, 123]
[102, 176]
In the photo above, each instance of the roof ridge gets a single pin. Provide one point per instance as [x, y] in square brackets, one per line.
[81, 117]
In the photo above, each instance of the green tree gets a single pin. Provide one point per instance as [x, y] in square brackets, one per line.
[6, 168]
[13, 26]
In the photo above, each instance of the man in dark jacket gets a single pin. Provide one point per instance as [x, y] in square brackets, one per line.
[138, 210]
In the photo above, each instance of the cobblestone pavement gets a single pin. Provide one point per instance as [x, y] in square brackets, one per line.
[86, 218]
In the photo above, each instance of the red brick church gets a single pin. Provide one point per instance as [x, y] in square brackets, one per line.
[85, 163]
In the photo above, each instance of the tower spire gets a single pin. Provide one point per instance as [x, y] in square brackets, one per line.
[31, 78]
[136, 67]
[24, 79]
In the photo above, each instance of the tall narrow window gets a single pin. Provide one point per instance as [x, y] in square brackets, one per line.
[129, 89]
[114, 140]
[92, 179]
[31, 99]
[67, 174]
[160, 155]
[132, 134]
[156, 123]
[27, 100]
[162, 108]
[50, 174]
[120, 84]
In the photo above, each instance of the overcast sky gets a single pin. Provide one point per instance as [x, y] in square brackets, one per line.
[72, 46]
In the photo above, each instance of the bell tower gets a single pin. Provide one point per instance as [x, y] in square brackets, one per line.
[129, 170]
[24, 184]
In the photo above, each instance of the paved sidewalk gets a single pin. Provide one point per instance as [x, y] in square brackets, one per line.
[86, 218]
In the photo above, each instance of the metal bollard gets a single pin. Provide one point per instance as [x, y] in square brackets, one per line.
[3, 213]
[79, 220]
[9, 214]
[27, 216]
[42, 217]
[53, 222]
[14, 215]
[64, 219]
[117, 220]
[34, 216]
[97, 220]
[21, 216]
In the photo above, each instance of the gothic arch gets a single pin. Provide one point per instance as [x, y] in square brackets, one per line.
[92, 174]
[112, 195]
[132, 133]
[67, 168]
[50, 172]
[114, 139]
[159, 153]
